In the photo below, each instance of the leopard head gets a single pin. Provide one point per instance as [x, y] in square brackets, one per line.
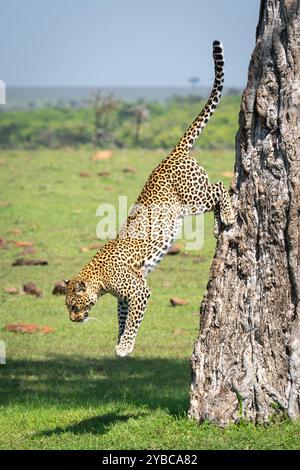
[80, 298]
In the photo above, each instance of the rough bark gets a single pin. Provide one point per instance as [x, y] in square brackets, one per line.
[246, 360]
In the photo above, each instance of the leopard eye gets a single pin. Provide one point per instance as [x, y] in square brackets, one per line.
[75, 309]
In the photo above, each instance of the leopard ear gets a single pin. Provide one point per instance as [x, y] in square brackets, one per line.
[80, 287]
[66, 281]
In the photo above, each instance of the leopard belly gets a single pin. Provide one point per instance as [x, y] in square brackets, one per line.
[160, 247]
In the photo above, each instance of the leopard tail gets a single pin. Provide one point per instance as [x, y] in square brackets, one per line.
[192, 133]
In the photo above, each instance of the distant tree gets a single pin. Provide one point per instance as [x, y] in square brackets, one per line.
[60, 103]
[141, 114]
[102, 106]
[73, 103]
[194, 81]
[233, 92]
[48, 104]
[185, 100]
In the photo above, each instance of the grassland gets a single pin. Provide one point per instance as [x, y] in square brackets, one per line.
[67, 390]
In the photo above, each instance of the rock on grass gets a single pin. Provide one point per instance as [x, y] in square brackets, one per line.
[95, 246]
[59, 288]
[22, 244]
[91, 247]
[28, 328]
[102, 155]
[29, 262]
[174, 250]
[227, 174]
[31, 288]
[176, 301]
[129, 170]
[11, 290]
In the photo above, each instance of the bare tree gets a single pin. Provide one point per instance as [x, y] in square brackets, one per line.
[194, 81]
[102, 106]
[246, 360]
[141, 114]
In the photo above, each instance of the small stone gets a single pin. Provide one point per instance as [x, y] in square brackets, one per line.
[103, 173]
[21, 244]
[95, 246]
[28, 328]
[227, 174]
[102, 155]
[174, 250]
[85, 174]
[31, 288]
[175, 301]
[59, 288]
[129, 170]
[11, 290]
[22, 327]
[29, 262]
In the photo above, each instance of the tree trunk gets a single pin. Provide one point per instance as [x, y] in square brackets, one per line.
[246, 360]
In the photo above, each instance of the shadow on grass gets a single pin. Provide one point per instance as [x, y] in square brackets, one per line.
[95, 425]
[149, 384]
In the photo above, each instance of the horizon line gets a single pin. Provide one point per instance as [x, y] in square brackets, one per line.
[122, 86]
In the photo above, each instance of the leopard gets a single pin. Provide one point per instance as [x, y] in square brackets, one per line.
[176, 188]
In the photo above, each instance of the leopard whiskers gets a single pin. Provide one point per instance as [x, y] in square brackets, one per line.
[93, 319]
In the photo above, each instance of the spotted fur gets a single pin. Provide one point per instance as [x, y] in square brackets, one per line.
[177, 187]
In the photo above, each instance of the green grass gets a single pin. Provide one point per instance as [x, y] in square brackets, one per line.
[67, 390]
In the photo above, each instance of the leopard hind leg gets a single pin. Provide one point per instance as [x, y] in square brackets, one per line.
[122, 316]
[216, 198]
[221, 203]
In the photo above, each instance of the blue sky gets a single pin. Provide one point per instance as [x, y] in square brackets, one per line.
[123, 42]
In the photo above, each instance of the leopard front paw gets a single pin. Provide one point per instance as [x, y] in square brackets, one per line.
[122, 349]
[227, 217]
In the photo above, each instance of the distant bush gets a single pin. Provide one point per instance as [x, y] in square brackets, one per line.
[162, 128]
